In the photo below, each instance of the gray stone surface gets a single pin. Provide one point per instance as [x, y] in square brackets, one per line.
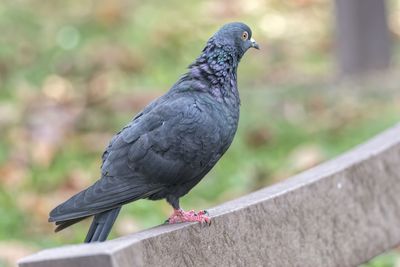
[340, 213]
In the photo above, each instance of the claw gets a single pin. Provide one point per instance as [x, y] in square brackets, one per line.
[205, 212]
[207, 220]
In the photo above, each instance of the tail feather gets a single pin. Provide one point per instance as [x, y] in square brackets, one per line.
[103, 200]
[64, 224]
[101, 225]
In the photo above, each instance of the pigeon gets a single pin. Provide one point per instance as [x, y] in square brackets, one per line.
[171, 144]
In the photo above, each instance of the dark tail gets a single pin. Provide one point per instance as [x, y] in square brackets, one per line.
[61, 225]
[101, 225]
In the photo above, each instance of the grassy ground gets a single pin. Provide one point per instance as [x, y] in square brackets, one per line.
[71, 78]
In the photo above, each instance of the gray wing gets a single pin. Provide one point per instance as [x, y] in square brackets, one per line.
[173, 141]
[169, 143]
[107, 193]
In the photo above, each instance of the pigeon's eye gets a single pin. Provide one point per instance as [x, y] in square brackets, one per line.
[245, 35]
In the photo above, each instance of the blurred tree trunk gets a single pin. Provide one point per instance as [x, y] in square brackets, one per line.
[362, 36]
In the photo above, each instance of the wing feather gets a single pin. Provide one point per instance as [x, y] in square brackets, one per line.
[107, 193]
[170, 143]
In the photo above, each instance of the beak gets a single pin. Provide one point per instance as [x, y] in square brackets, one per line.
[254, 44]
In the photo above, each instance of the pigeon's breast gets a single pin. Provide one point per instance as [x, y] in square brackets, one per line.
[224, 117]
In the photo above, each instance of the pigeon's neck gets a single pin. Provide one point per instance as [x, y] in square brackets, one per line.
[215, 71]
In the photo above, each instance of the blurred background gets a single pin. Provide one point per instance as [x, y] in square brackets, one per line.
[72, 73]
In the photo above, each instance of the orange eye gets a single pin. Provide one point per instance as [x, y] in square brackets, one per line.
[245, 35]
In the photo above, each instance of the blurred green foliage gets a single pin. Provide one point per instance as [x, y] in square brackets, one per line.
[73, 73]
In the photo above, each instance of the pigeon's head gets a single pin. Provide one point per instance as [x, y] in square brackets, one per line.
[236, 35]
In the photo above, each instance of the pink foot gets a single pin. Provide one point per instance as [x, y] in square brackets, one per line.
[189, 216]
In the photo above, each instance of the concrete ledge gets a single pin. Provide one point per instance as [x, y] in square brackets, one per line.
[340, 213]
